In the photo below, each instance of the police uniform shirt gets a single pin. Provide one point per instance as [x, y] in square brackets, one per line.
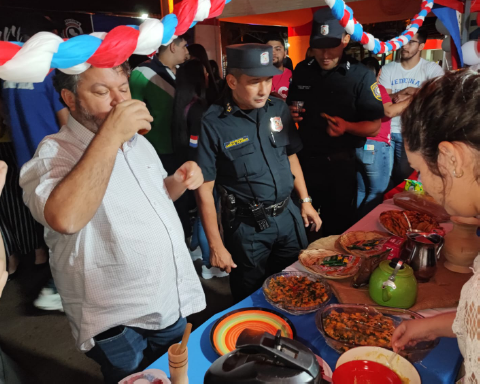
[349, 91]
[257, 143]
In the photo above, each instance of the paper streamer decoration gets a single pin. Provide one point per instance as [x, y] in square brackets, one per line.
[344, 14]
[31, 62]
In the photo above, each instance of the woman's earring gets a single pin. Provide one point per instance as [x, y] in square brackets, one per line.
[457, 175]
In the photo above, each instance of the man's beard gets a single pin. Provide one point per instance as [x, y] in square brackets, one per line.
[404, 57]
[278, 63]
[87, 119]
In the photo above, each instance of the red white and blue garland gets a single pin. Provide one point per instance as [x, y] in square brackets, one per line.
[344, 14]
[33, 60]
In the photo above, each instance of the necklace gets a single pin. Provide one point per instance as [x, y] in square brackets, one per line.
[279, 81]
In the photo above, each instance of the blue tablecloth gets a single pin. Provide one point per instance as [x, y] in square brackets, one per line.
[440, 366]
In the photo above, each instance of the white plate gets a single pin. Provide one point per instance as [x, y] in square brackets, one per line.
[402, 367]
[145, 377]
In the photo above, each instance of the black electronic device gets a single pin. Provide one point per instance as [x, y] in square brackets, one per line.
[261, 358]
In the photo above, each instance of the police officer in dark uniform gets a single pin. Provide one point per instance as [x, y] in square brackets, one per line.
[248, 147]
[342, 106]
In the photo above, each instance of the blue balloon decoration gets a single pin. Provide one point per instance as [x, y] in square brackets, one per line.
[169, 22]
[75, 51]
[357, 32]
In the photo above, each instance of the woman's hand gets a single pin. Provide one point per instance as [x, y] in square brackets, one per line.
[411, 332]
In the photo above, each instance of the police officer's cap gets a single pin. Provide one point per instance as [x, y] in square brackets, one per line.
[326, 30]
[252, 59]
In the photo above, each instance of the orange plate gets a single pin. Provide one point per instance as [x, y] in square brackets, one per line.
[227, 329]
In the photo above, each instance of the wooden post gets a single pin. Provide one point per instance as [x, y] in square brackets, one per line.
[164, 7]
[465, 27]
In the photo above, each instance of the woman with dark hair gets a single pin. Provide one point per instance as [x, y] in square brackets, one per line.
[197, 51]
[441, 129]
[188, 108]
[215, 70]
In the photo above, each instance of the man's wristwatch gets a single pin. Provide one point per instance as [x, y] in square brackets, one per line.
[306, 200]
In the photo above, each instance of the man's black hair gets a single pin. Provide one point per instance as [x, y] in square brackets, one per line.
[274, 37]
[422, 35]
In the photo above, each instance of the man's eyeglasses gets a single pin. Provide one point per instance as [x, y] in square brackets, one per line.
[411, 42]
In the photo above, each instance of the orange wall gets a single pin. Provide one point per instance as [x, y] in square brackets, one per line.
[365, 11]
[298, 48]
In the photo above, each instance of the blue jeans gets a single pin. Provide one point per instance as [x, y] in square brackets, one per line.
[401, 167]
[373, 175]
[200, 239]
[123, 354]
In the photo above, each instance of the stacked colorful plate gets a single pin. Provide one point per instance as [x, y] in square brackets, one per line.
[227, 329]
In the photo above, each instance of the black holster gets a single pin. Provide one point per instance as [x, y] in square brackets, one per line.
[228, 207]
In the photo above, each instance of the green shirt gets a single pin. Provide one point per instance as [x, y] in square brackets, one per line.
[154, 83]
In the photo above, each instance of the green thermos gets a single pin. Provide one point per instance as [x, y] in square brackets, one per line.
[393, 284]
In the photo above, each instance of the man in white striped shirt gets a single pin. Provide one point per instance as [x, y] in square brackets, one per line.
[117, 247]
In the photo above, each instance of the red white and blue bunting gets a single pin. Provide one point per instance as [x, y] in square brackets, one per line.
[33, 60]
[344, 14]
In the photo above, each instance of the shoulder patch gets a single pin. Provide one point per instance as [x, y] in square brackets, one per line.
[234, 143]
[376, 91]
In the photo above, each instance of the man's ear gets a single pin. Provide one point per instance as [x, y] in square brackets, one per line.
[421, 46]
[68, 98]
[345, 40]
[232, 81]
[172, 47]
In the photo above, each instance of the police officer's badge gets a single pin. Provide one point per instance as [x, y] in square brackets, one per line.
[264, 59]
[376, 91]
[324, 30]
[276, 124]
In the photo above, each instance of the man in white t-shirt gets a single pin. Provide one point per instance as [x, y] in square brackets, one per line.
[402, 79]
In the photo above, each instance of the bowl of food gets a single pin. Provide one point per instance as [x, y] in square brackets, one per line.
[297, 293]
[360, 356]
[347, 326]
[364, 371]
[399, 223]
[330, 264]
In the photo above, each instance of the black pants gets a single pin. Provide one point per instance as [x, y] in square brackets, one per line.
[20, 232]
[261, 254]
[11, 373]
[332, 183]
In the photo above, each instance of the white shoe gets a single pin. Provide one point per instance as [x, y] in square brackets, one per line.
[196, 254]
[208, 273]
[49, 300]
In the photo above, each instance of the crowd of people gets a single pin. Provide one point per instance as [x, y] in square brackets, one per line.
[157, 166]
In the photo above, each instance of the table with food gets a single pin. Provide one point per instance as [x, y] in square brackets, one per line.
[331, 315]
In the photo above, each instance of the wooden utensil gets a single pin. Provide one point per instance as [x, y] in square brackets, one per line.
[186, 334]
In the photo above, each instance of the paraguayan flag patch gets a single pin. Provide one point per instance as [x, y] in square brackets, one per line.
[193, 141]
